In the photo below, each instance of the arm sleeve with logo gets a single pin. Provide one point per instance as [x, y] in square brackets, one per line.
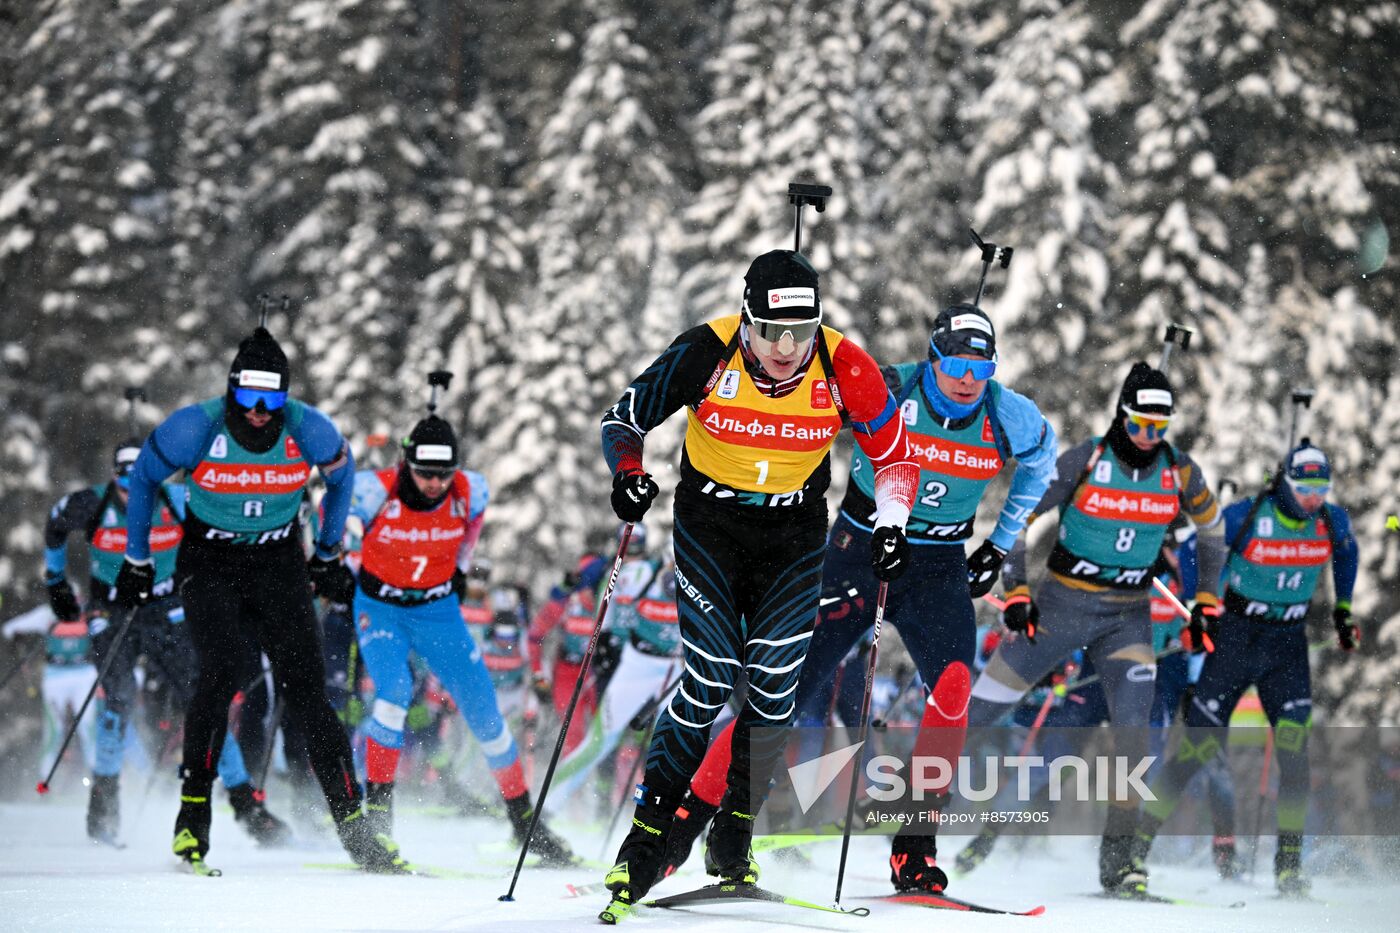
[1204, 510]
[476, 516]
[1064, 477]
[74, 512]
[367, 496]
[322, 444]
[176, 444]
[676, 378]
[878, 430]
[1345, 554]
[1033, 444]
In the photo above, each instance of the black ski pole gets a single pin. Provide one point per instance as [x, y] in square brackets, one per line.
[43, 786]
[991, 255]
[29, 656]
[864, 728]
[800, 194]
[569, 713]
[1175, 333]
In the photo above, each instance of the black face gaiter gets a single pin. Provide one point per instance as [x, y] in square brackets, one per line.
[1127, 452]
[411, 497]
[254, 440]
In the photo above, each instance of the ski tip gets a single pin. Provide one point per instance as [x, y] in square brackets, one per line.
[42, 787]
[856, 911]
[1035, 911]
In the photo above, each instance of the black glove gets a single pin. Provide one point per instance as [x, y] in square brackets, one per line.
[1348, 633]
[1021, 613]
[330, 579]
[62, 601]
[1199, 634]
[889, 553]
[540, 684]
[983, 568]
[632, 494]
[134, 583]
[459, 584]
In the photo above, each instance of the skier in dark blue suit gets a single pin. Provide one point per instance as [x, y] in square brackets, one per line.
[1279, 544]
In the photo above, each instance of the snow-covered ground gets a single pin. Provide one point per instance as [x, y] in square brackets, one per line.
[51, 878]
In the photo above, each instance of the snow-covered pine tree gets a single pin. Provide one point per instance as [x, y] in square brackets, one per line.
[1043, 187]
[910, 76]
[80, 232]
[345, 143]
[602, 241]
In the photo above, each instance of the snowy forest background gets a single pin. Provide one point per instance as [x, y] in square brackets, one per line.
[539, 195]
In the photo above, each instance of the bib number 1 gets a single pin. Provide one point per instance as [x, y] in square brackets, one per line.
[762, 471]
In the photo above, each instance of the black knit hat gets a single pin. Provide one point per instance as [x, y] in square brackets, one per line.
[963, 329]
[782, 284]
[431, 445]
[1147, 390]
[258, 361]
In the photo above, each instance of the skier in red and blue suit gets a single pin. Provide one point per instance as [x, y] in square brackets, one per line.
[422, 520]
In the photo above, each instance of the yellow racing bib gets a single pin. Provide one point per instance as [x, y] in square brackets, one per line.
[746, 440]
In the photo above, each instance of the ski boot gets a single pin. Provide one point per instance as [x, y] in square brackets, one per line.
[1227, 863]
[639, 861]
[729, 846]
[248, 809]
[1288, 867]
[553, 851]
[976, 851]
[914, 865]
[379, 808]
[373, 851]
[1122, 872]
[191, 841]
[104, 810]
[692, 816]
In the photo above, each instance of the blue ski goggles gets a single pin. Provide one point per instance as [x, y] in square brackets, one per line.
[1309, 487]
[955, 367]
[249, 398]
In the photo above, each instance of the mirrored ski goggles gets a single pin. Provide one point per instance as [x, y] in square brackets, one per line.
[433, 472]
[772, 331]
[1309, 487]
[1153, 427]
[955, 367]
[249, 398]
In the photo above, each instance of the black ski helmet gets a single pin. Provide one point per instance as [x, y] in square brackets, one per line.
[1147, 390]
[432, 445]
[962, 329]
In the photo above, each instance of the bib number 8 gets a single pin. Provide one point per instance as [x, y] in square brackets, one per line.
[1126, 537]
